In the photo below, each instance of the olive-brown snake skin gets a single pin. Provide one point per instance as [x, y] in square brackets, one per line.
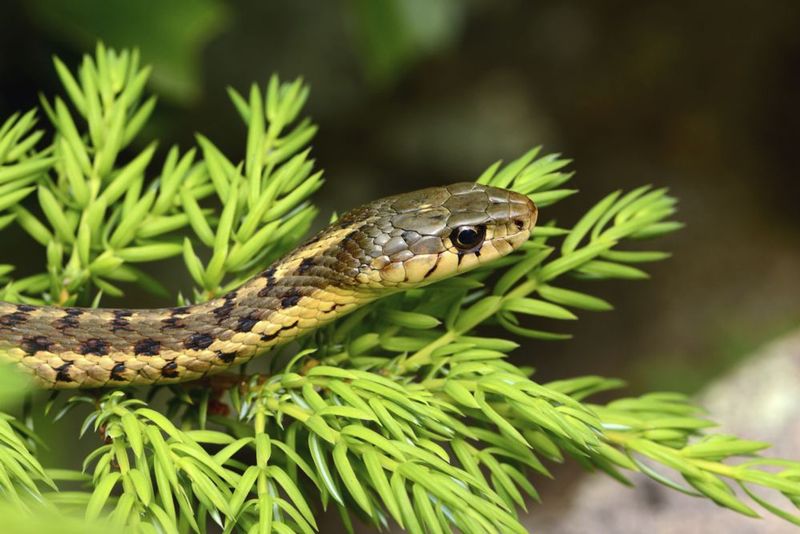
[385, 246]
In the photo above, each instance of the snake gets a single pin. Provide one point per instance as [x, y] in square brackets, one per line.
[383, 247]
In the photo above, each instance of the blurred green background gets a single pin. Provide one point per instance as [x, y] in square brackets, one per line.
[702, 97]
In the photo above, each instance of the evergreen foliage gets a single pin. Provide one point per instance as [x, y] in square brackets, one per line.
[404, 411]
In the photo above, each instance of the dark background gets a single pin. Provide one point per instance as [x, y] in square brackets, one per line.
[702, 97]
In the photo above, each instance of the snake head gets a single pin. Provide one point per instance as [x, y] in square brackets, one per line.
[427, 235]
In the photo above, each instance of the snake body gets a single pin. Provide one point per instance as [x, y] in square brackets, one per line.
[385, 246]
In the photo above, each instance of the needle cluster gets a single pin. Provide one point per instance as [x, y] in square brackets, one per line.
[404, 412]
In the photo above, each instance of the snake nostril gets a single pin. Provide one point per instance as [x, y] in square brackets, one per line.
[519, 223]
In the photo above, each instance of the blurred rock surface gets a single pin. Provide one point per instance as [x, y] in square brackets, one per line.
[758, 400]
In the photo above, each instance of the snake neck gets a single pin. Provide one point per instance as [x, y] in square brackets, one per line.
[83, 347]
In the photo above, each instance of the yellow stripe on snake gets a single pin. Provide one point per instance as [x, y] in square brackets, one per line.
[385, 246]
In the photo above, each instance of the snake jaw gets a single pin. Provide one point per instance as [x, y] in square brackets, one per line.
[421, 245]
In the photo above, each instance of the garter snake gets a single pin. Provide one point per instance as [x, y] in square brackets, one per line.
[385, 246]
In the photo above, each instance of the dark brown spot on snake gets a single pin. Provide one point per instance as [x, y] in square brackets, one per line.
[62, 373]
[291, 298]
[94, 346]
[116, 372]
[224, 311]
[32, 345]
[147, 347]
[226, 357]
[246, 324]
[269, 274]
[120, 320]
[172, 322]
[198, 341]
[14, 319]
[67, 321]
[170, 370]
[305, 265]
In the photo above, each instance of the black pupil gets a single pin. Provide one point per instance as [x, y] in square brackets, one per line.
[468, 237]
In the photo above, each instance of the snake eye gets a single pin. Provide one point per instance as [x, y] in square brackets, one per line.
[468, 237]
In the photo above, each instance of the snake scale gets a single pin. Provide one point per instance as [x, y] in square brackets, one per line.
[382, 247]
